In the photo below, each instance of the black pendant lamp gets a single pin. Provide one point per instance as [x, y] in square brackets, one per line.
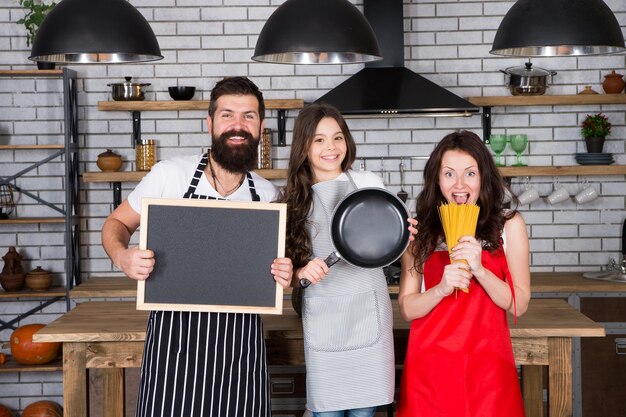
[558, 27]
[317, 32]
[95, 31]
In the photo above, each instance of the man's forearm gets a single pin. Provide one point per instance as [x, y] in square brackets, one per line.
[115, 237]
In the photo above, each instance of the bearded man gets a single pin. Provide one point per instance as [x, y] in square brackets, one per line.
[197, 364]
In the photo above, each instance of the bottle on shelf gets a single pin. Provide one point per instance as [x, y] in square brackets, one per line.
[264, 160]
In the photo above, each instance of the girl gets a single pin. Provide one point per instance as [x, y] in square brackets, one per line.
[459, 359]
[346, 312]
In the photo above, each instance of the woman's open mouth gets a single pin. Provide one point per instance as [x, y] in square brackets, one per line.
[460, 198]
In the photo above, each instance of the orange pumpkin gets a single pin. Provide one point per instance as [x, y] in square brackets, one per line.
[43, 408]
[27, 352]
[5, 412]
[3, 359]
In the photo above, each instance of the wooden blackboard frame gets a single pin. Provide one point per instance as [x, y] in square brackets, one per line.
[264, 227]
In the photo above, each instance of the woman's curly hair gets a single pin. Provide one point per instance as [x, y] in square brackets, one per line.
[298, 193]
[492, 215]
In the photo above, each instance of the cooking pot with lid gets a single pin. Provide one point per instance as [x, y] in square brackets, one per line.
[526, 80]
[128, 91]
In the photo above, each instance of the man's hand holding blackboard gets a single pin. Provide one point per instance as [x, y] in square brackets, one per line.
[136, 263]
[282, 269]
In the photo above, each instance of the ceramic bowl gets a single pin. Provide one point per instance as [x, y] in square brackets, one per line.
[182, 93]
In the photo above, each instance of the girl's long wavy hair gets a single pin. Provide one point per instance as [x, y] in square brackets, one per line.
[298, 192]
[492, 215]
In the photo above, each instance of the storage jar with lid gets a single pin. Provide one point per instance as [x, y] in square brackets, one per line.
[109, 161]
[39, 279]
[613, 83]
[12, 276]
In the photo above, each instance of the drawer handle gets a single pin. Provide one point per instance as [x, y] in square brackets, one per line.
[283, 386]
[620, 346]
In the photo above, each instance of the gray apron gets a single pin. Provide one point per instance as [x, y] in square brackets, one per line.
[347, 320]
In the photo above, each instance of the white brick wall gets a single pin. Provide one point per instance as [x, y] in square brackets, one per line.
[446, 41]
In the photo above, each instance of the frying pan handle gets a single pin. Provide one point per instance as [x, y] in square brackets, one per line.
[332, 259]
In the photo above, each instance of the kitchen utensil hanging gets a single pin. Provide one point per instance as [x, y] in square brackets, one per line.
[402, 194]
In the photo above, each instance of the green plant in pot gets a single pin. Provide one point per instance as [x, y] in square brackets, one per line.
[36, 12]
[595, 128]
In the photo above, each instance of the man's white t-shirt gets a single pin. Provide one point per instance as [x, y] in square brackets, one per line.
[171, 179]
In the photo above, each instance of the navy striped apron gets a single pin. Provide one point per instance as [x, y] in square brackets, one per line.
[204, 364]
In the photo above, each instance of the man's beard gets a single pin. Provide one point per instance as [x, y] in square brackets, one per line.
[235, 158]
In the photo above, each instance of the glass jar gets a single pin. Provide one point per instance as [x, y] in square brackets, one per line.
[264, 160]
[145, 154]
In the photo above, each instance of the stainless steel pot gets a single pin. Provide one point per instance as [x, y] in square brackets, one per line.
[526, 80]
[128, 91]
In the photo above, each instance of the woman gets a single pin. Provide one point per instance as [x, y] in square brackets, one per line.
[346, 311]
[459, 358]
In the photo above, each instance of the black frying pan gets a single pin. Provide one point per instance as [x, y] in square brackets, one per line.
[369, 229]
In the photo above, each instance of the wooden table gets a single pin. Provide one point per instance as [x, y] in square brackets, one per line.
[110, 335]
[541, 282]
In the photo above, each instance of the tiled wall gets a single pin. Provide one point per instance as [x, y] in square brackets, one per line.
[446, 41]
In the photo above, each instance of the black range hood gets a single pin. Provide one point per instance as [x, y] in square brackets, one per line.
[387, 87]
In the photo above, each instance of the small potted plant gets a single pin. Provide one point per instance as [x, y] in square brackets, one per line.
[36, 12]
[595, 128]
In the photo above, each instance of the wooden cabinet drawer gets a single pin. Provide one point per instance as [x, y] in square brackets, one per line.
[603, 369]
[288, 382]
[288, 407]
[604, 309]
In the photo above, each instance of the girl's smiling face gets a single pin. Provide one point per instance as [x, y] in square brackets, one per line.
[327, 150]
[459, 178]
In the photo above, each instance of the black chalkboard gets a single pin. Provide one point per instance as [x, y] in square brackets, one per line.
[212, 255]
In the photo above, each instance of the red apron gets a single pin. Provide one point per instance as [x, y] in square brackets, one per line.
[459, 360]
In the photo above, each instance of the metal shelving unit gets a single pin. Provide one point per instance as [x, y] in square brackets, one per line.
[69, 211]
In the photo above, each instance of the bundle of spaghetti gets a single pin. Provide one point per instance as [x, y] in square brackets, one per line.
[458, 220]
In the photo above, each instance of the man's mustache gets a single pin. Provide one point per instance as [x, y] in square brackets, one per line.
[242, 133]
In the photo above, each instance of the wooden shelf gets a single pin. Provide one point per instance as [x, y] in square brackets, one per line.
[537, 171]
[136, 176]
[541, 282]
[122, 176]
[105, 287]
[54, 291]
[22, 147]
[11, 366]
[33, 220]
[273, 174]
[288, 104]
[565, 100]
[31, 73]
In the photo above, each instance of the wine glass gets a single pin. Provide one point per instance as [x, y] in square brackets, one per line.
[518, 144]
[498, 144]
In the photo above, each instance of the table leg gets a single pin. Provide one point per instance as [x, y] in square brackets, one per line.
[114, 392]
[74, 380]
[560, 376]
[532, 387]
